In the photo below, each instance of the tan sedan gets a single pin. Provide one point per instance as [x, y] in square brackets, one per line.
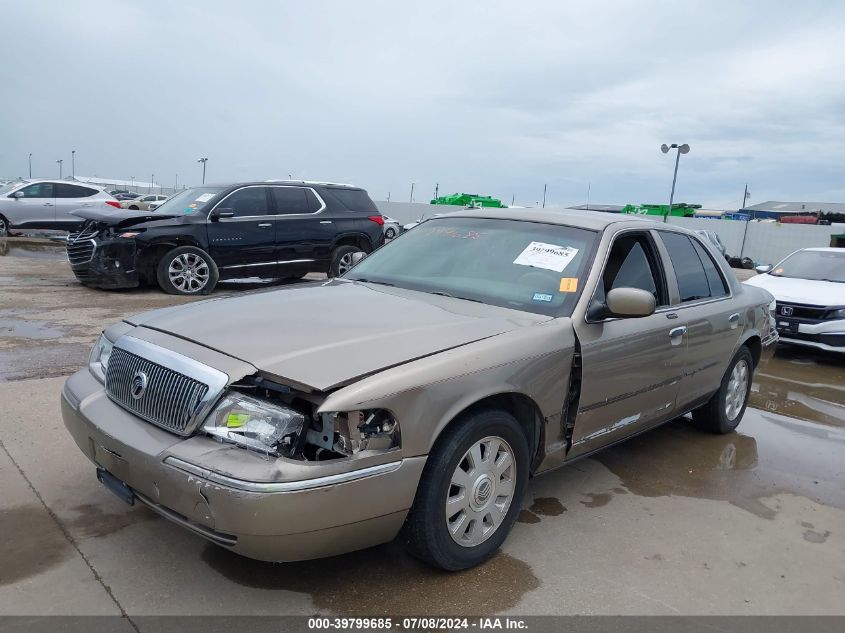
[142, 203]
[417, 394]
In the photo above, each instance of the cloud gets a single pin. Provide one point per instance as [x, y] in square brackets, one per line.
[489, 97]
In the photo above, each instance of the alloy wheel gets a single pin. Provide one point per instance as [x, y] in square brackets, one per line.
[480, 491]
[737, 390]
[345, 264]
[188, 273]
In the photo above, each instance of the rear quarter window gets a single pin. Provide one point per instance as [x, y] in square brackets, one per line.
[353, 199]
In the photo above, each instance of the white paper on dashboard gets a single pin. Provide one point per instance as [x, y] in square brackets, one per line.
[548, 256]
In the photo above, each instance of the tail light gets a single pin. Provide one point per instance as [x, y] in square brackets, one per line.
[113, 203]
[377, 219]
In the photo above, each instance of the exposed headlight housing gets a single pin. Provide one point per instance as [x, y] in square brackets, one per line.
[350, 432]
[257, 424]
[98, 362]
[837, 314]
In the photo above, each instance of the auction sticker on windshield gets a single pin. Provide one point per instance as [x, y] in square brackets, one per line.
[548, 256]
[205, 197]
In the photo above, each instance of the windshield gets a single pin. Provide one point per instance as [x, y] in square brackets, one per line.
[509, 263]
[189, 200]
[818, 265]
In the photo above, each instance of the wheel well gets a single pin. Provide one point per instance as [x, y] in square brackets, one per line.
[358, 241]
[526, 412]
[150, 256]
[755, 346]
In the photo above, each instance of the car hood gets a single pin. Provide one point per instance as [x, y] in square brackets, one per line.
[328, 334]
[809, 291]
[121, 217]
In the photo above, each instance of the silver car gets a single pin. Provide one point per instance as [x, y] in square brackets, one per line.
[46, 204]
[143, 203]
[417, 394]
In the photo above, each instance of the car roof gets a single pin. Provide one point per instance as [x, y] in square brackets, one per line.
[64, 181]
[594, 220]
[308, 183]
[825, 249]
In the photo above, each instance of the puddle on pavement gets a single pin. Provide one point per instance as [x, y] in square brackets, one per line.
[92, 521]
[36, 251]
[541, 506]
[394, 582]
[802, 384]
[770, 454]
[31, 543]
[31, 329]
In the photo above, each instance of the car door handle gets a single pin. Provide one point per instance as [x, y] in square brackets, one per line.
[734, 320]
[677, 333]
[48, 204]
[264, 225]
[325, 221]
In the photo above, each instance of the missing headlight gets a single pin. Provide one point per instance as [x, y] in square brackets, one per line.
[347, 433]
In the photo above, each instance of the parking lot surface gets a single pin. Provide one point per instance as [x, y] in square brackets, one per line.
[671, 522]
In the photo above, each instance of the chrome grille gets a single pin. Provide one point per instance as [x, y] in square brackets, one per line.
[170, 399]
[81, 245]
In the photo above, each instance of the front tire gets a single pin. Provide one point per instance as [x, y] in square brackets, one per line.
[4, 227]
[724, 411]
[390, 233]
[470, 492]
[187, 270]
[342, 260]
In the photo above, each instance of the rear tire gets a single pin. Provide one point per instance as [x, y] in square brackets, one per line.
[342, 260]
[390, 233]
[4, 227]
[187, 270]
[134, 207]
[724, 411]
[469, 496]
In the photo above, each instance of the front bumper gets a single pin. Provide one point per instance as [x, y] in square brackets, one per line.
[824, 335]
[108, 264]
[286, 521]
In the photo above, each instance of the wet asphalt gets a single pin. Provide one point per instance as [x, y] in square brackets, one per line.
[673, 521]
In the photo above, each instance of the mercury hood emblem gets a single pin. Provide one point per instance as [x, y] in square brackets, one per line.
[138, 385]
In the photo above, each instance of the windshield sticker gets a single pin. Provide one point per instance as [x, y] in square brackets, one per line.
[569, 284]
[541, 296]
[205, 197]
[548, 256]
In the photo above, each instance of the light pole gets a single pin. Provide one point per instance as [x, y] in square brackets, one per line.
[60, 161]
[176, 184]
[682, 149]
[30, 164]
[73, 164]
[203, 161]
[152, 182]
[412, 192]
[544, 196]
[132, 178]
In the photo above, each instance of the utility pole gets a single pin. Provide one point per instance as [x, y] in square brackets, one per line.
[589, 184]
[412, 192]
[30, 164]
[133, 182]
[388, 196]
[176, 184]
[152, 183]
[744, 197]
[513, 197]
[745, 232]
[60, 161]
[544, 196]
[73, 164]
[436, 190]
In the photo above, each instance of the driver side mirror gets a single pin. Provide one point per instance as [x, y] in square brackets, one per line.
[763, 268]
[17, 194]
[218, 214]
[625, 303]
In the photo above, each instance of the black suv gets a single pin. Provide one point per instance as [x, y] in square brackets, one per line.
[273, 229]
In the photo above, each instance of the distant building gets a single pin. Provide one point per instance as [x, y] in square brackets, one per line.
[774, 209]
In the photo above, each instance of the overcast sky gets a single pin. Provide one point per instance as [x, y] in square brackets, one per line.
[483, 97]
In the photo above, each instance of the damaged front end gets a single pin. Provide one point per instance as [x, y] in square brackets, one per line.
[103, 256]
[276, 420]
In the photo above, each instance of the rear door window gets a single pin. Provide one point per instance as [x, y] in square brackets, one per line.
[689, 271]
[290, 200]
[246, 202]
[65, 190]
[718, 287]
